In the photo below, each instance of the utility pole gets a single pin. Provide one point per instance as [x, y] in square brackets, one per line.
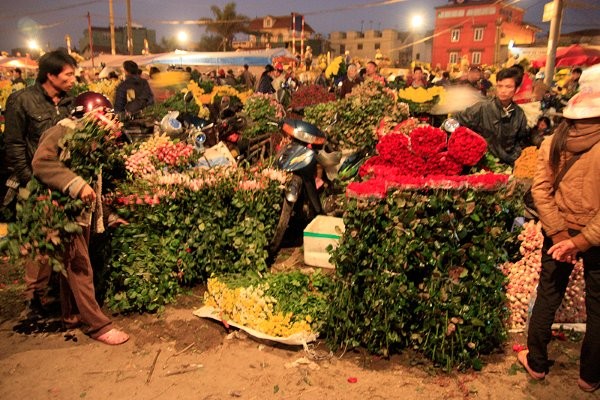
[555, 25]
[294, 33]
[302, 40]
[68, 43]
[129, 32]
[111, 16]
[89, 18]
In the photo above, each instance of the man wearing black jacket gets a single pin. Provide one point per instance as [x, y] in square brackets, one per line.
[30, 112]
[134, 92]
[499, 120]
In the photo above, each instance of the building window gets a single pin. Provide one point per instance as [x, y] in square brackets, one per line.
[478, 34]
[359, 46]
[418, 56]
[455, 35]
[342, 48]
[451, 14]
[474, 12]
[453, 57]
[280, 38]
[377, 46]
[476, 58]
[267, 23]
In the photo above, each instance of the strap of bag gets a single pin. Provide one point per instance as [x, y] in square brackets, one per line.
[565, 169]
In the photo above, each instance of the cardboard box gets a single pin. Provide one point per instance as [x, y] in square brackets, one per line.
[320, 233]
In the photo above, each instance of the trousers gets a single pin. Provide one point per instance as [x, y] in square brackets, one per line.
[551, 290]
[37, 276]
[77, 293]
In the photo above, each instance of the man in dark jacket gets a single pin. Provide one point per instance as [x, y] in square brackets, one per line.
[134, 92]
[499, 120]
[18, 77]
[30, 112]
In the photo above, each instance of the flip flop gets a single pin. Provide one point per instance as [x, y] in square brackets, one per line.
[113, 337]
[588, 387]
[522, 357]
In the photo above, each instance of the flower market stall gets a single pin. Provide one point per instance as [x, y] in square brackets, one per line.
[417, 265]
[429, 259]
[185, 223]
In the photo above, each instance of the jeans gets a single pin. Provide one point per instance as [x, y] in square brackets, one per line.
[551, 290]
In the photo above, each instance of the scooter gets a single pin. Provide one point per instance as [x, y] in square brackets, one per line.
[307, 150]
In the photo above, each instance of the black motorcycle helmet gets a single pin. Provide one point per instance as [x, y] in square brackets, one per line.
[89, 101]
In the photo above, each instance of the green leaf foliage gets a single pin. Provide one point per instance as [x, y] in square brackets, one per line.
[416, 270]
[354, 119]
[187, 237]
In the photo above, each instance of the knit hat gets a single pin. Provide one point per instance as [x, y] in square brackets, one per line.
[586, 103]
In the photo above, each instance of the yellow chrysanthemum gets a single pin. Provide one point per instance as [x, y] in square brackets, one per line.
[334, 68]
[251, 308]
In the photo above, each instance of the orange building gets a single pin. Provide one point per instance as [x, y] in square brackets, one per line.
[478, 32]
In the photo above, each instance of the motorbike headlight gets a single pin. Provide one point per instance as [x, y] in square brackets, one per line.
[307, 137]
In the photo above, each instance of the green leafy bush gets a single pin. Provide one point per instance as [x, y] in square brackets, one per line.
[261, 110]
[420, 270]
[358, 115]
[222, 225]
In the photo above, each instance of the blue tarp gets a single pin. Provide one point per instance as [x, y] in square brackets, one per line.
[253, 58]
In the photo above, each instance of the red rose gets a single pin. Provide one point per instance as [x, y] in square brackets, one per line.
[425, 141]
[466, 146]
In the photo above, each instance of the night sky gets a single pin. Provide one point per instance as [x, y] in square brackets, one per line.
[54, 19]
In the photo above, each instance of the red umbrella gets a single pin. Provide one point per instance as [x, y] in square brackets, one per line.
[574, 55]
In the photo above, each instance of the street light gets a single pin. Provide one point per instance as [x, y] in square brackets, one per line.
[33, 44]
[417, 21]
[182, 37]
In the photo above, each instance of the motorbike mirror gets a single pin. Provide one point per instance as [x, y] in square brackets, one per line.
[188, 97]
[450, 125]
[208, 126]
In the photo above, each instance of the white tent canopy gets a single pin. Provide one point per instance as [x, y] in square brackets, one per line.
[181, 58]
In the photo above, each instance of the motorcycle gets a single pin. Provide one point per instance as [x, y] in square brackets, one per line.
[307, 151]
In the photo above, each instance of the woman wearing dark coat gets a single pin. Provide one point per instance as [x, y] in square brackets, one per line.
[566, 192]
[265, 83]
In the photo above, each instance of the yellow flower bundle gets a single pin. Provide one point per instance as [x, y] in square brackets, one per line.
[108, 87]
[334, 67]
[420, 95]
[250, 307]
[525, 165]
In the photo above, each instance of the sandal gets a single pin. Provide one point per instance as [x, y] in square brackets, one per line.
[522, 357]
[588, 387]
[113, 337]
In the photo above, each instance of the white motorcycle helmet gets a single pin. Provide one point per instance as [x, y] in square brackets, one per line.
[170, 124]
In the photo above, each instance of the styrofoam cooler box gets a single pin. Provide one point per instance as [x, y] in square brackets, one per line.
[320, 233]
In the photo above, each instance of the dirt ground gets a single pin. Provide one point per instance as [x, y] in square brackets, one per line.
[176, 355]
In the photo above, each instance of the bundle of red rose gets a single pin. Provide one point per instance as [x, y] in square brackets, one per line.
[425, 158]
